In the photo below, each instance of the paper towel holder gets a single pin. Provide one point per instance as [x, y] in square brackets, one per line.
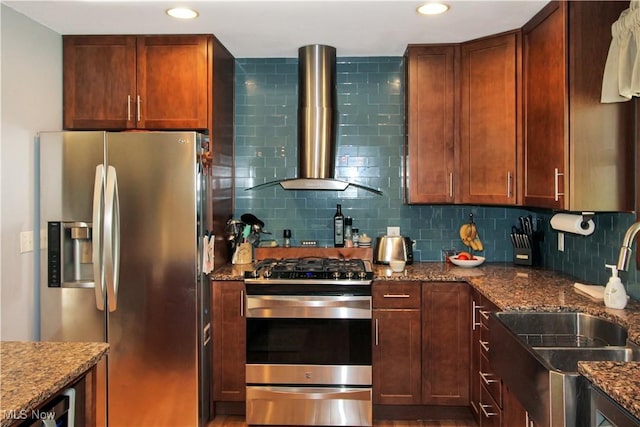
[579, 223]
[586, 217]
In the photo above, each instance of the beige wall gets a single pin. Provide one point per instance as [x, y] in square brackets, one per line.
[31, 91]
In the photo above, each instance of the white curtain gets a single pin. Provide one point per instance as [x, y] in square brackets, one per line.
[621, 79]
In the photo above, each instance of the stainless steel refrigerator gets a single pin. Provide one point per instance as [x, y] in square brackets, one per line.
[125, 214]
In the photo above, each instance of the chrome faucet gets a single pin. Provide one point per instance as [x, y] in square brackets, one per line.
[625, 250]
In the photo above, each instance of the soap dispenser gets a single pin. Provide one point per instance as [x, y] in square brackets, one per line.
[615, 295]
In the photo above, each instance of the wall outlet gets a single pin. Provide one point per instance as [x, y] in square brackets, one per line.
[393, 231]
[26, 241]
[44, 239]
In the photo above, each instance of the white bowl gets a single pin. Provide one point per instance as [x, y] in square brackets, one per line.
[467, 262]
[397, 266]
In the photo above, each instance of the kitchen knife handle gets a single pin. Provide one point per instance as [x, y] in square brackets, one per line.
[96, 237]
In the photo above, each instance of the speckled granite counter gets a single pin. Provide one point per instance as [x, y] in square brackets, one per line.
[620, 380]
[31, 372]
[524, 288]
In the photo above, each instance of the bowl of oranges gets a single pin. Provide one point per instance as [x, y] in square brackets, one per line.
[466, 259]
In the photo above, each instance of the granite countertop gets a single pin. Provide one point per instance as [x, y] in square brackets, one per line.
[620, 380]
[32, 372]
[512, 287]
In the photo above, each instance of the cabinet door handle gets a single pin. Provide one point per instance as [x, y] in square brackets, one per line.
[485, 378]
[138, 109]
[474, 309]
[485, 345]
[485, 412]
[556, 180]
[508, 184]
[376, 324]
[396, 296]
[451, 185]
[128, 107]
[241, 303]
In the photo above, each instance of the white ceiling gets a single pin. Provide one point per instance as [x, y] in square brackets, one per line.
[265, 28]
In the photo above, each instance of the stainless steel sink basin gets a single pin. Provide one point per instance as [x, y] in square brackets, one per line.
[537, 353]
[544, 329]
[566, 359]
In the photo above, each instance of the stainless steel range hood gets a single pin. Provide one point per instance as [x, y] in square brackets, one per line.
[317, 123]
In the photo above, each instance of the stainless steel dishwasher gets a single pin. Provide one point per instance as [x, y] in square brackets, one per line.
[605, 412]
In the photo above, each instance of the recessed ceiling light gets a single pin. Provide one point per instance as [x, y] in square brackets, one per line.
[433, 8]
[182, 13]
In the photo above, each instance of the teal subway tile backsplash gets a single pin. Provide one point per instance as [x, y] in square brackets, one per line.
[369, 152]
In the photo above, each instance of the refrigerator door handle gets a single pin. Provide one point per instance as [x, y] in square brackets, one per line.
[112, 238]
[96, 236]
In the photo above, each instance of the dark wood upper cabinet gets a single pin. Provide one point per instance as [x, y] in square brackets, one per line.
[137, 82]
[430, 124]
[99, 82]
[578, 151]
[490, 131]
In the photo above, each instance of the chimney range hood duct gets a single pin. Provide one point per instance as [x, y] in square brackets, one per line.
[317, 123]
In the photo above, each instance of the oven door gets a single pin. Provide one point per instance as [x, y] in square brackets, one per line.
[309, 360]
[308, 330]
[302, 406]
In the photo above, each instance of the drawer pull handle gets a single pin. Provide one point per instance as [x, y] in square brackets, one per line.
[485, 378]
[397, 296]
[474, 309]
[485, 412]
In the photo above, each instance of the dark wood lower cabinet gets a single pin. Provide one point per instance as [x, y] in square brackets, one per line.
[445, 343]
[229, 341]
[396, 343]
[421, 343]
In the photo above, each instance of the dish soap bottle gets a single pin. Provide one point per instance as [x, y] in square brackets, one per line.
[615, 295]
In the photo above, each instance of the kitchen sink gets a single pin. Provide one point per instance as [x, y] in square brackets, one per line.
[537, 353]
[566, 359]
[551, 329]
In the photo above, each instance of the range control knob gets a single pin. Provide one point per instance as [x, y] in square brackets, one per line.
[266, 273]
[362, 275]
[349, 274]
[336, 275]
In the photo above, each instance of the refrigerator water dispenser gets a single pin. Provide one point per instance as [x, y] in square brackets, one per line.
[70, 263]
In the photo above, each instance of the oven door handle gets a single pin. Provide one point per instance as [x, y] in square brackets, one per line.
[314, 393]
[299, 306]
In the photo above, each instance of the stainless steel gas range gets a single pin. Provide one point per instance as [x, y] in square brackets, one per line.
[309, 342]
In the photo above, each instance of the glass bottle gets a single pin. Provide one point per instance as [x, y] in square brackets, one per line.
[338, 228]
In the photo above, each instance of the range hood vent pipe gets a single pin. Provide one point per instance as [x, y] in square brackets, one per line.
[317, 123]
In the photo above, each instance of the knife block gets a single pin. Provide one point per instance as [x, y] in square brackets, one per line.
[531, 255]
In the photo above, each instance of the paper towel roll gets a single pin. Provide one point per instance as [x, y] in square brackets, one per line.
[571, 223]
